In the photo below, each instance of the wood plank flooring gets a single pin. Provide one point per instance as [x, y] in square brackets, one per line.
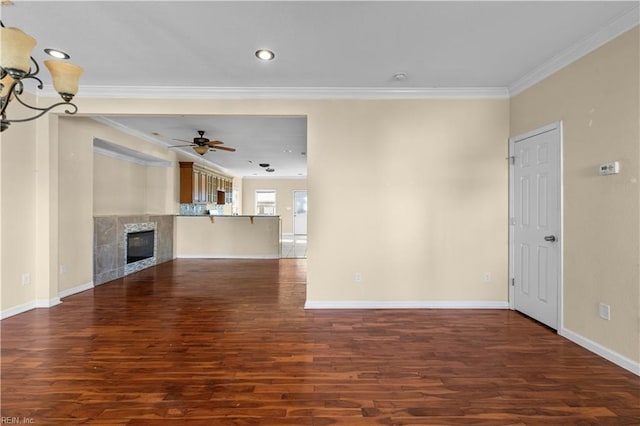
[220, 342]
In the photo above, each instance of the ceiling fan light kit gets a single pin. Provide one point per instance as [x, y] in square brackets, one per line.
[202, 150]
[17, 65]
[400, 76]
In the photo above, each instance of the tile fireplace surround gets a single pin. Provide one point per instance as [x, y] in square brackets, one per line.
[109, 262]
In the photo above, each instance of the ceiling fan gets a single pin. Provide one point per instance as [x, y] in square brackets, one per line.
[202, 145]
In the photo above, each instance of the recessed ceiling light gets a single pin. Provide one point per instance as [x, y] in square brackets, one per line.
[57, 53]
[264, 164]
[400, 76]
[155, 133]
[270, 170]
[250, 161]
[265, 54]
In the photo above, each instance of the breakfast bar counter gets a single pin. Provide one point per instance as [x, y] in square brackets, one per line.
[228, 237]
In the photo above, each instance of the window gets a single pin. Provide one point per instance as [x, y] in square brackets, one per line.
[266, 202]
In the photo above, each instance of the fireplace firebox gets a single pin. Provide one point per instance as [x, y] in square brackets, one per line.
[140, 245]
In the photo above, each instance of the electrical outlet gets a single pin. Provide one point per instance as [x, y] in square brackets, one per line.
[26, 278]
[605, 311]
[357, 277]
[487, 277]
[612, 168]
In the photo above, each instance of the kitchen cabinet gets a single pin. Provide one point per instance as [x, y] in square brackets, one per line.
[187, 182]
[199, 185]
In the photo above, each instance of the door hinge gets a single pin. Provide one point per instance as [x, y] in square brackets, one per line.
[512, 159]
[513, 282]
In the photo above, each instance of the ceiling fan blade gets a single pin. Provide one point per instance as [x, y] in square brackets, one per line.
[212, 143]
[223, 148]
[182, 140]
[179, 146]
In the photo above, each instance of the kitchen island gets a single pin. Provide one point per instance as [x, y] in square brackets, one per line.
[228, 237]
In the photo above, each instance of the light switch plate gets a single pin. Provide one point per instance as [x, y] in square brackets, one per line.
[605, 311]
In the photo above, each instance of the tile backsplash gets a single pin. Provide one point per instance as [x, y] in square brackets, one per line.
[200, 209]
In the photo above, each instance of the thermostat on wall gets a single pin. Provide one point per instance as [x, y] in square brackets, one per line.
[612, 168]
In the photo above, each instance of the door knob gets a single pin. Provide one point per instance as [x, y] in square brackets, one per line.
[551, 238]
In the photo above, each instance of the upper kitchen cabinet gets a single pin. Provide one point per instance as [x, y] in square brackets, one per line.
[200, 185]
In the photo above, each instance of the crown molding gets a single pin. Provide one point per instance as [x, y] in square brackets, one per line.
[174, 92]
[617, 27]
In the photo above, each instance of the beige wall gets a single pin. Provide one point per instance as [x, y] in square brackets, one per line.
[163, 188]
[405, 193]
[284, 197]
[228, 237]
[18, 147]
[75, 198]
[597, 100]
[120, 187]
[124, 188]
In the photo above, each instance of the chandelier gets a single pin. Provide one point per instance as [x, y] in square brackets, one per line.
[17, 65]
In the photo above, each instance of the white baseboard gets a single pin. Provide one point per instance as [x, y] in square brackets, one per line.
[48, 303]
[426, 304]
[40, 303]
[257, 256]
[606, 353]
[17, 310]
[77, 289]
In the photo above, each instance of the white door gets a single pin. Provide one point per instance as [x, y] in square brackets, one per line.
[300, 212]
[535, 223]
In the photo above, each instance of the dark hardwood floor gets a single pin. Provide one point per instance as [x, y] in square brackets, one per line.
[217, 342]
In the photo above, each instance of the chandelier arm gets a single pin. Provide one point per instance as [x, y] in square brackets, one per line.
[32, 76]
[34, 73]
[6, 99]
[43, 111]
[40, 84]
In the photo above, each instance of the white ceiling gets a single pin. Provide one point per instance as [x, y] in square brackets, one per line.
[280, 142]
[167, 48]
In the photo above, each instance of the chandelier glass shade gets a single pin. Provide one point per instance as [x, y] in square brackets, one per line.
[17, 66]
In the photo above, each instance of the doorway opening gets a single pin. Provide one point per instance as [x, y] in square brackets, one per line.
[294, 245]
